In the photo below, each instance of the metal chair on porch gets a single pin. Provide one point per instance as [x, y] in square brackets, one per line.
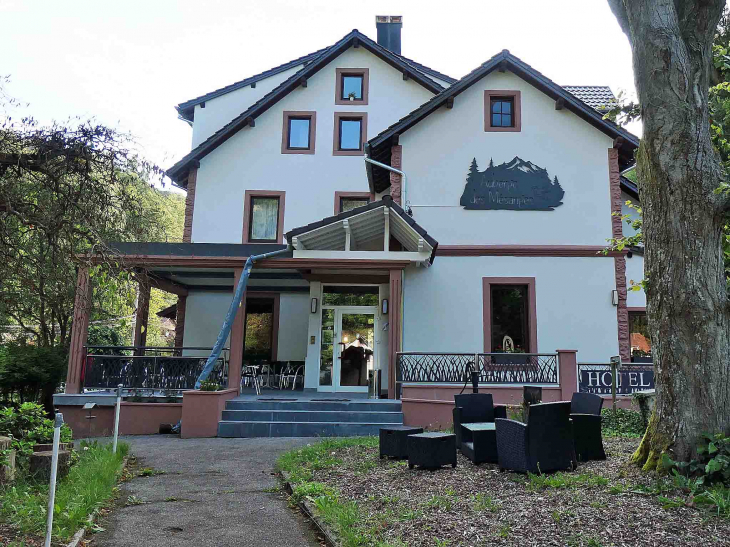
[289, 375]
[250, 375]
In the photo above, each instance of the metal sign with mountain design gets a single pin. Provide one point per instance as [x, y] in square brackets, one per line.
[518, 185]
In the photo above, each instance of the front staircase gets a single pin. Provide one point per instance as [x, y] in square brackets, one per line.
[307, 417]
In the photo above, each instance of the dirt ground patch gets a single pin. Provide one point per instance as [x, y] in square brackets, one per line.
[601, 504]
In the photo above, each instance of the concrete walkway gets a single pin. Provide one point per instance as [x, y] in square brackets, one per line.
[216, 492]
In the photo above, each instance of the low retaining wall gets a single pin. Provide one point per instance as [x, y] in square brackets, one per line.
[432, 406]
[202, 410]
[134, 418]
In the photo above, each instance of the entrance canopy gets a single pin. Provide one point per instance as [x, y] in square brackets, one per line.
[380, 231]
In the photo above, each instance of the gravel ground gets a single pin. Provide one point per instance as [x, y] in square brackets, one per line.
[479, 505]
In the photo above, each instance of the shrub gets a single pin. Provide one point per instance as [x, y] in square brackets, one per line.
[622, 422]
[28, 426]
[32, 373]
[712, 464]
[209, 385]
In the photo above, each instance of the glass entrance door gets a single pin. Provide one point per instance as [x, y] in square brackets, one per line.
[347, 352]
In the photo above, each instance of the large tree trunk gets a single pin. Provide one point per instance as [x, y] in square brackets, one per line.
[678, 173]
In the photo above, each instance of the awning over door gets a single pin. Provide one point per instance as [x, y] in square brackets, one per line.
[380, 230]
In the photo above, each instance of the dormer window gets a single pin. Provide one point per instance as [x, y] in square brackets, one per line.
[352, 86]
[502, 111]
[350, 133]
[298, 132]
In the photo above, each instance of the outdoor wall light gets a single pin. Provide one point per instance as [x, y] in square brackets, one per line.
[313, 305]
[384, 306]
[614, 297]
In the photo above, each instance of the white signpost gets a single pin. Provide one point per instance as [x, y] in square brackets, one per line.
[54, 468]
[116, 417]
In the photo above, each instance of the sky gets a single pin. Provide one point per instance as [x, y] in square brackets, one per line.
[128, 63]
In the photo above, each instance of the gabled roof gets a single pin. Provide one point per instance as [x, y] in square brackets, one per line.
[388, 202]
[429, 71]
[187, 109]
[599, 97]
[378, 148]
[178, 172]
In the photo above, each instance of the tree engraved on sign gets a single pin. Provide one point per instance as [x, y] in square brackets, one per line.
[515, 185]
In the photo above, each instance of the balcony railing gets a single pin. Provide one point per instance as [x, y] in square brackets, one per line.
[493, 368]
[154, 370]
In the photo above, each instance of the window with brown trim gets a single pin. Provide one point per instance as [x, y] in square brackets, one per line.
[502, 111]
[350, 133]
[299, 132]
[347, 201]
[263, 216]
[509, 314]
[352, 86]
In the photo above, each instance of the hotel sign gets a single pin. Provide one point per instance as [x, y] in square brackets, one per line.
[518, 185]
[631, 378]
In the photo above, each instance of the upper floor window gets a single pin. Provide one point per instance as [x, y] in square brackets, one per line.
[263, 216]
[350, 133]
[298, 132]
[352, 86]
[502, 111]
[347, 201]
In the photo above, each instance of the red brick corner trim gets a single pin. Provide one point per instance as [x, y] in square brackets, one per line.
[396, 161]
[622, 312]
[190, 206]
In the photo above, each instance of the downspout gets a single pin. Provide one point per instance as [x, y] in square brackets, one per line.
[231, 315]
[406, 205]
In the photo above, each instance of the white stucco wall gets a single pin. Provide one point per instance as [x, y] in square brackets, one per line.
[252, 158]
[443, 309]
[221, 110]
[635, 272]
[204, 315]
[438, 151]
[293, 325]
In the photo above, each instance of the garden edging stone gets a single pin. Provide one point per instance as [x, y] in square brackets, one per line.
[309, 511]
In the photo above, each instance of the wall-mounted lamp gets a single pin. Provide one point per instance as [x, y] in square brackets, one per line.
[313, 305]
[614, 297]
[384, 306]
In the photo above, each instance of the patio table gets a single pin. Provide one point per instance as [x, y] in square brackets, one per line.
[431, 450]
[479, 442]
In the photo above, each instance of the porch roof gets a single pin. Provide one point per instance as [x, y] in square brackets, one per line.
[365, 230]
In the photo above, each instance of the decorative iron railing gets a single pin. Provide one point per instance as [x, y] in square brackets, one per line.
[597, 378]
[154, 370]
[493, 368]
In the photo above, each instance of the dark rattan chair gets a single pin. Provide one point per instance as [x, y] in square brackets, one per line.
[474, 407]
[544, 444]
[585, 411]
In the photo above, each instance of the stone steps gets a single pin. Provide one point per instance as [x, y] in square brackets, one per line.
[292, 417]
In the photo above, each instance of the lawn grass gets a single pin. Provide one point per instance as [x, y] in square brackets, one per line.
[89, 485]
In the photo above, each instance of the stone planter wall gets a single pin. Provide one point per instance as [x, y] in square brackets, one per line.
[7, 471]
[202, 410]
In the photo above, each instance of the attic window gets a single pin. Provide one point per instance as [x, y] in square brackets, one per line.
[351, 87]
[298, 132]
[502, 111]
[350, 133]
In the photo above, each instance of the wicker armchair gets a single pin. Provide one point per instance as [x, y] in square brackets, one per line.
[544, 444]
[585, 411]
[474, 407]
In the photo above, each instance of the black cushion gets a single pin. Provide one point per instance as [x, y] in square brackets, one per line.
[586, 403]
[475, 407]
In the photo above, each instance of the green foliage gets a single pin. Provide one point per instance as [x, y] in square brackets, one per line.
[622, 423]
[88, 486]
[209, 385]
[31, 372]
[712, 464]
[28, 426]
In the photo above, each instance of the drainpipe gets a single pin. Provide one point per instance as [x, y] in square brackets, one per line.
[406, 205]
[231, 315]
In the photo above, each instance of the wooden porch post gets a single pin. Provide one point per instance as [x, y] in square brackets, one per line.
[180, 321]
[235, 359]
[79, 332]
[143, 311]
[394, 328]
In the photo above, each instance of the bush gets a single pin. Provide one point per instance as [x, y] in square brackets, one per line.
[712, 464]
[28, 426]
[209, 385]
[622, 423]
[32, 373]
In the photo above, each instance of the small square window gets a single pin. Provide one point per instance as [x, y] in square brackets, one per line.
[352, 87]
[264, 222]
[350, 133]
[299, 133]
[502, 112]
